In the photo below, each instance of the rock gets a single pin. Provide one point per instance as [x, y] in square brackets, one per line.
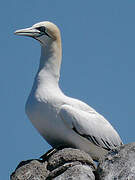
[61, 164]
[119, 164]
[77, 172]
[30, 170]
[73, 164]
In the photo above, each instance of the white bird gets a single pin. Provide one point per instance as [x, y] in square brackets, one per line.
[62, 120]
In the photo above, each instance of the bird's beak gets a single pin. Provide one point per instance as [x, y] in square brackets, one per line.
[31, 32]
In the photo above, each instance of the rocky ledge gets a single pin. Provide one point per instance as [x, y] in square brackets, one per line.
[73, 164]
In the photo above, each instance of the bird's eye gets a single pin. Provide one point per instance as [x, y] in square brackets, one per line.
[41, 29]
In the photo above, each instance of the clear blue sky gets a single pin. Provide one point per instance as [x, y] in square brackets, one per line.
[98, 67]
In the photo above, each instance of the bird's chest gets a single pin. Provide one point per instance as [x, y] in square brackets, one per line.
[43, 112]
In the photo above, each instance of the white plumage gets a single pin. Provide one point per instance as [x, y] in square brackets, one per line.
[61, 120]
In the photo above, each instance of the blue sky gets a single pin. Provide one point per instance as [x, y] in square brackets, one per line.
[98, 67]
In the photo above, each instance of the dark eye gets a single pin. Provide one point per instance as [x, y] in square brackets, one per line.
[41, 29]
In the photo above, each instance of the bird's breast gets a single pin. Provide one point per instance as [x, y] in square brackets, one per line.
[44, 115]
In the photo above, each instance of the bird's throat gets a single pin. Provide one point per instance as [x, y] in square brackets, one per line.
[50, 62]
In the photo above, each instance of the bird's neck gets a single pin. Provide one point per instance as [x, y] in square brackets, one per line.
[50, 62]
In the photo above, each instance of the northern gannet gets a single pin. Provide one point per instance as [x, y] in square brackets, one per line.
[62, 120]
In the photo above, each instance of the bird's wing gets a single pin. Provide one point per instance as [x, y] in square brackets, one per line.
[92, 126]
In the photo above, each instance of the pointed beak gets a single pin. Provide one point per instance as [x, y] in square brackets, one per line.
[31, 32]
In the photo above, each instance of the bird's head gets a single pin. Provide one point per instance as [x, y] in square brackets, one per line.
[45, 32]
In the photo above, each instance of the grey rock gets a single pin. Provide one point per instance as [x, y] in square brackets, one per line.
[119, 164]
[69, 155]
[30, 170]
[77, 172]
[63, 164]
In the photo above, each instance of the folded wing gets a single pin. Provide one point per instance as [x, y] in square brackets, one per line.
[91, 126]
